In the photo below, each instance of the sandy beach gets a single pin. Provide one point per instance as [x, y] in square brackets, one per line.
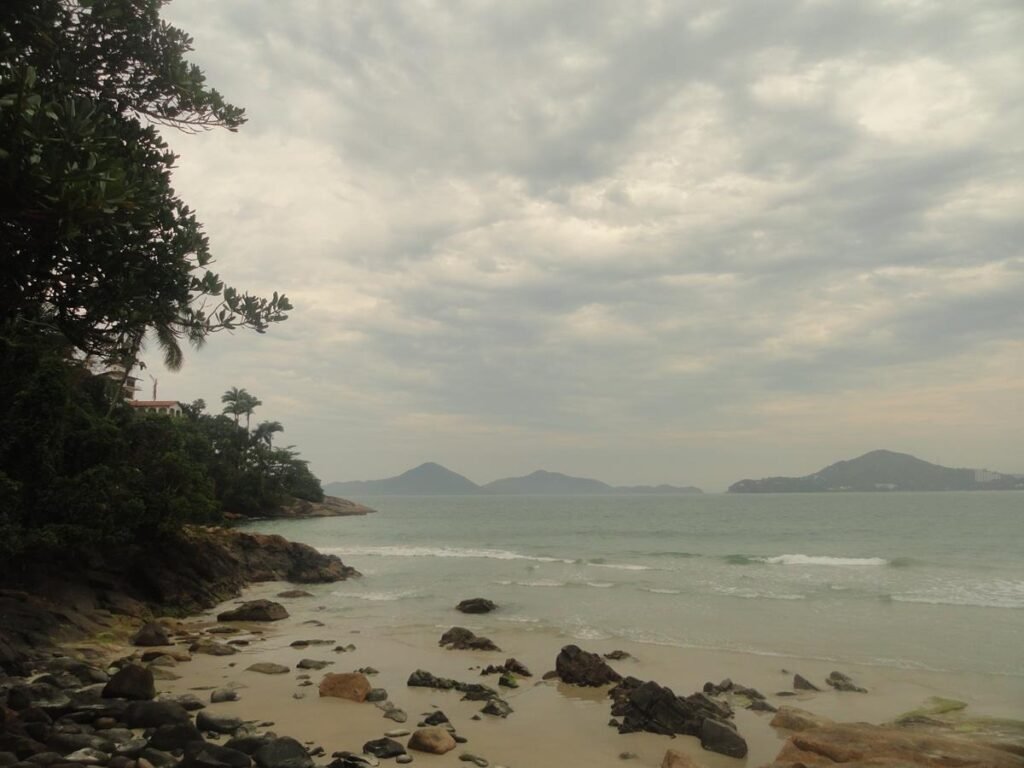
[553, 724]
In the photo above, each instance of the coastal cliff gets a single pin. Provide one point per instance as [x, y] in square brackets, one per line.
[192, 571]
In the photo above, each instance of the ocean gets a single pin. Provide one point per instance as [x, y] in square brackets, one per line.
[931, 581]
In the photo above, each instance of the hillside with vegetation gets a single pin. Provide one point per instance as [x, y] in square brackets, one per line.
[884, 471]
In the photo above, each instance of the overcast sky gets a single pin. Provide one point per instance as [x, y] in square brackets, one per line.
[644, 241]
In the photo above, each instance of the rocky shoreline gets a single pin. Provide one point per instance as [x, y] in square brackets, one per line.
[95, 702]
[301, 509]
[197, 569]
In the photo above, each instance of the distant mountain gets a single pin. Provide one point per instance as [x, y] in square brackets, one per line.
[547, 483]
[428, 479]
[432, 479]
[544, 483]
[884, 471]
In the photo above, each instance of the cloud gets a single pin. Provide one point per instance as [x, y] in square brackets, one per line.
[560, 234]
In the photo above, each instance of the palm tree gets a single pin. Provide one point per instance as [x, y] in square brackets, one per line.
[240, 403]
[234, 398]
[264, 432]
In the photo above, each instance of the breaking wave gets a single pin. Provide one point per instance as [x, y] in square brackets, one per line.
[805, 560]
[411, 551]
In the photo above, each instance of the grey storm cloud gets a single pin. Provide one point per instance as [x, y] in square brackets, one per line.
[645, 241]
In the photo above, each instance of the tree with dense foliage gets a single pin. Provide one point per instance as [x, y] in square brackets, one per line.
[97, 252]
[95, 244]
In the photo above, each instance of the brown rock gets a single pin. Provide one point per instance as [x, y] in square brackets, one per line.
[864, 744]
[796, 719]
[210, 648]
[151, 634]
[675, 759]
[434, 740]
[346, 685]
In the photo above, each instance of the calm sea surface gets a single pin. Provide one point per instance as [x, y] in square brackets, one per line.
[931, 581]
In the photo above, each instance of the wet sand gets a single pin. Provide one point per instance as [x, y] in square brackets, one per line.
[553, 724]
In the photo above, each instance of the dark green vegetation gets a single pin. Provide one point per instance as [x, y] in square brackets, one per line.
[884, 471]
[78, 476]
[97, 253]
[432, 479]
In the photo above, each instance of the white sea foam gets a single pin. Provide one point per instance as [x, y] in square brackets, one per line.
[1001, 593]
[377, 597]
[600, 584]
[588, 633]
[753, 594]
[658, 591]
[540, 583]
[820, 560]
[458, 552]
[621, 566]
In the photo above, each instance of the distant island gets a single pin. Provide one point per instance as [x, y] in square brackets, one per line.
[432, 479]
[884, 471]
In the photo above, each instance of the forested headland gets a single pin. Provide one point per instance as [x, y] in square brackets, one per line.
[98, 257]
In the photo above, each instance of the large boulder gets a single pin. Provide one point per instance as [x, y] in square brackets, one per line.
[864, 744]
[578, 667]
[284, 752]
[346, 685]
[647, 706]
[208, 721]
[151, 634]
[462, 639]
[476, 605]
[255, 610]
[133, 682]
[43, 696]
[721, 737]
[435, 740]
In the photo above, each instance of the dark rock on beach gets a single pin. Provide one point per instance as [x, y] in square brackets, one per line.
[282, 752]
[472, 691]
[208, 721]
[131, 682]
[462, 639]
[721, 737]
[202, 754]
[801, 683]
[384, 748]
[476, 605]
[497, 707]
[174, 736]
[255, 610]
[153, 714]
[648, 706]
[511, 666]
[578, 667]
[151, 634]
[842, 682]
